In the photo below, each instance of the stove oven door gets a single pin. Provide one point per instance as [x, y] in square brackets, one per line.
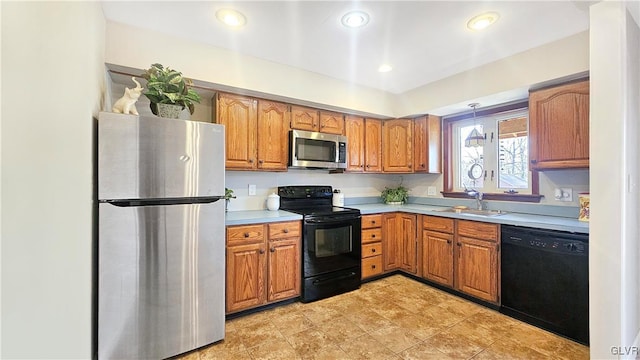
[331, 244]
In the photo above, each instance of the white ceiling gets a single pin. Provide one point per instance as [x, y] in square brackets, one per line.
[424, 40]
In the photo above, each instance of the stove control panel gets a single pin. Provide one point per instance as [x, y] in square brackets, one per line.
[305, 192]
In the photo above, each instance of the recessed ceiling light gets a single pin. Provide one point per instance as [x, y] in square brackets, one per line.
[231, 17]
[354, 19]
[385, 68]
[482, 21]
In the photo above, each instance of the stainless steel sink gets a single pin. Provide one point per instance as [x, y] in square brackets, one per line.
[477, 212]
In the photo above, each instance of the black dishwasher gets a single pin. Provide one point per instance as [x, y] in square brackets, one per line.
[545, 279]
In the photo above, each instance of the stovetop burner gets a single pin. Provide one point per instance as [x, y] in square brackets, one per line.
[311, 201]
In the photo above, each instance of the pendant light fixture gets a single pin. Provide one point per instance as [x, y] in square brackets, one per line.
[474, 139]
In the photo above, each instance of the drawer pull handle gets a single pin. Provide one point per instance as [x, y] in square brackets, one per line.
[286, 231]
[246, 234]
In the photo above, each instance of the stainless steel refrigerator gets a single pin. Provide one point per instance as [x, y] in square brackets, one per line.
[161, 261]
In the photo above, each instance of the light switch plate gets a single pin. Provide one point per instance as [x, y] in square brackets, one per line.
[252, 189]
[431, 191]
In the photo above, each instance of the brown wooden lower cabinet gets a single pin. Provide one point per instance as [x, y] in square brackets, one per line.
[477, 268]
[371, 245]
[399, 242]
[263, 264]
[461, 254]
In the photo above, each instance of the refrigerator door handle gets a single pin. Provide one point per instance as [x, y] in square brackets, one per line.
[170, 201]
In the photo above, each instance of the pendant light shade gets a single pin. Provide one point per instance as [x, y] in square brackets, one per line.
[475, 139]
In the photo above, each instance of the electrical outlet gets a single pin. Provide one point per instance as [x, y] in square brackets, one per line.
[431, 191]
[563, 194]
[252, 189]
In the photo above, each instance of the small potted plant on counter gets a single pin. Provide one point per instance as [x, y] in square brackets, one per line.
[395, 196]
[168, 91]
[228, 195]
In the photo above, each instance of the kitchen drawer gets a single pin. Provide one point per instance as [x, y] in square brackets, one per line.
[371, 266]
[371, 221]
[436, 223]
[284, 230]
[245, 234]
[371, 235]
[478, 230]
[372, 249]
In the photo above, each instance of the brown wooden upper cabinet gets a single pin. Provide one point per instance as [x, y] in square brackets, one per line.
[304, 118]
[364, 144]
[397, 142]
[309, 119]
[331, 122]
[245, 117]
[559, 127]
[427, 144]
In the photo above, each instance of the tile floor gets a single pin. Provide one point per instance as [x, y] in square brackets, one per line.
[392, 318]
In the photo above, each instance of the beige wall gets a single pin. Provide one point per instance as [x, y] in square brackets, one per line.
[52, 84]
[138, 48]
[614, 250]
[502, 80]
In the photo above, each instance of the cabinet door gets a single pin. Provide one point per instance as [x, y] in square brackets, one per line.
[246, 271]
[354, 130]
[373, 145]
[303, 118]
[391, 242]
[239, 116]
[559, 127]
[437, 257]
[427, 144]
[272, 135]
[331, 122]
[397, 141]
[477, 268]
[284, 269]
[407, 228]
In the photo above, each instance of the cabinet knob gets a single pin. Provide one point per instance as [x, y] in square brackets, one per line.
[323, 126]
[272, 249]
[246, 234]
[373, 250]
[421, 165]
[448, 241]
[373, 266]
[363, 166]
[368, 166]
[286, 231]
[459, 244]
[373, 236]
[373, 221]
[260, 161]
[409, 166]
[250, 161]
[261, 251]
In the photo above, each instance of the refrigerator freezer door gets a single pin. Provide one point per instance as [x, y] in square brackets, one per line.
[160, 279]
[155, 158]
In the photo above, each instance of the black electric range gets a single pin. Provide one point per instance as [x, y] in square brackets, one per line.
[331, 241]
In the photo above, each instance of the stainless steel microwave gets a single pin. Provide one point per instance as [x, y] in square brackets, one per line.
[316, 150]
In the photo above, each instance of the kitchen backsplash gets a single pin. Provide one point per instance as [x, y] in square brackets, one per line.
[363, 187]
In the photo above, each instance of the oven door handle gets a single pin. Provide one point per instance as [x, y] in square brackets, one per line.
[333, 279]
[331, 220]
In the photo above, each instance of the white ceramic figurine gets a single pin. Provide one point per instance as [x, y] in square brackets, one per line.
[127, 103]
